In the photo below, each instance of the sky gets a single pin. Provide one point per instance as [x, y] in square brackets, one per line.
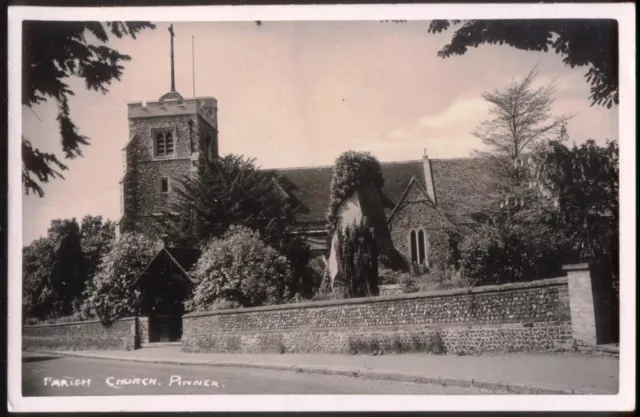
[295, 94]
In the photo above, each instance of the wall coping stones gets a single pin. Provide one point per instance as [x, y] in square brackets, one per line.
[576, 267]
[72, 323]
[552, 282]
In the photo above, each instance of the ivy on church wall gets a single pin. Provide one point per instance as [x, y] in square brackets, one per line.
[142, 182]
[352, 171]
[357, 257]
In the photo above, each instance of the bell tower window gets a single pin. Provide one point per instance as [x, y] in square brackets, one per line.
[164, 143]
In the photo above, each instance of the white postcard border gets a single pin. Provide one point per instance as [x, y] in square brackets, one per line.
[625, 400]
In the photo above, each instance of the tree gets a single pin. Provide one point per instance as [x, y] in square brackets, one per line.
[591, 43]
[68, 273]
[522, 121]
[38, 298]
[114, 292]
[52, 53]
[227, 191]
[54, 274]
[97, 238]
[239, 269]
[584, 181]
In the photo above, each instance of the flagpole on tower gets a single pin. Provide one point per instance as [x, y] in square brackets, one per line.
[173, 78]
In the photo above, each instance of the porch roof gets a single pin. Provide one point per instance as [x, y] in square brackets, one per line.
[173, 261]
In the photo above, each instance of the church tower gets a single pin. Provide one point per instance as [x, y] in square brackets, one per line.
[167, 138]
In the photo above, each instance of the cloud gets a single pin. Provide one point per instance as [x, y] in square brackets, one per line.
[399, 134]
[462, 111]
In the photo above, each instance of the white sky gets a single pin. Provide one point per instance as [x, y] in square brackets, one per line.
[298, 94]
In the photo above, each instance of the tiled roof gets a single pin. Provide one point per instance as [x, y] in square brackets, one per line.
[171, 261]
[310, 187]
[461, 186]
[396, 179]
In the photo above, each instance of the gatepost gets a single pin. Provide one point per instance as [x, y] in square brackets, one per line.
[590, 311]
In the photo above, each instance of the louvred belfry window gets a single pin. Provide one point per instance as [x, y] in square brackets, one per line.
[164, 143]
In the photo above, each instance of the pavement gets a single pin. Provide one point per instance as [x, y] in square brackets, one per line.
[518, 373]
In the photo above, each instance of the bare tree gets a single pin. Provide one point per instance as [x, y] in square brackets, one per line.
[522, 121]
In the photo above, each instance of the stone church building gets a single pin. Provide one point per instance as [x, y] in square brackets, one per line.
[168, 137]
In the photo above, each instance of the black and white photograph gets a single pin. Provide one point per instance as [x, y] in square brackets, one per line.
[330, 208]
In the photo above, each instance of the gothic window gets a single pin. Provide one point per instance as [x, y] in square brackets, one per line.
[418, 246]
[164, 143]
[421, 248]
[414, 248]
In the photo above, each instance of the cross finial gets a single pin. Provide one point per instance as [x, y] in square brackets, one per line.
[173, 82]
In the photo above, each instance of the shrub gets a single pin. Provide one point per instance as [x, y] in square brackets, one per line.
[114, 291]
[316, 267]
[444, 247]
[511, 252]
[390, 258]
[306, 274]
[239, 268]
[409, 284]
[389, 276]
[357, 258]
[433, 280]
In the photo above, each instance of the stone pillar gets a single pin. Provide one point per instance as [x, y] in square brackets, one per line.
[135, 333]
[590, 318]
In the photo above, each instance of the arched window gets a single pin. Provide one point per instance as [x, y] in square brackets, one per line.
[419, 247]
[414, 248]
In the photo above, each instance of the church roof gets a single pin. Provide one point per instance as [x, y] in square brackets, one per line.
[461, 186]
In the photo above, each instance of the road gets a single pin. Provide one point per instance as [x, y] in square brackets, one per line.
[44, 375]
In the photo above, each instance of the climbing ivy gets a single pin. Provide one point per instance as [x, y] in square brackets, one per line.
[357, 255]
[352, 170]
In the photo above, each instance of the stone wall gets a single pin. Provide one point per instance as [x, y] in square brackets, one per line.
[143, 331]
[85, 335]
[514, 317]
